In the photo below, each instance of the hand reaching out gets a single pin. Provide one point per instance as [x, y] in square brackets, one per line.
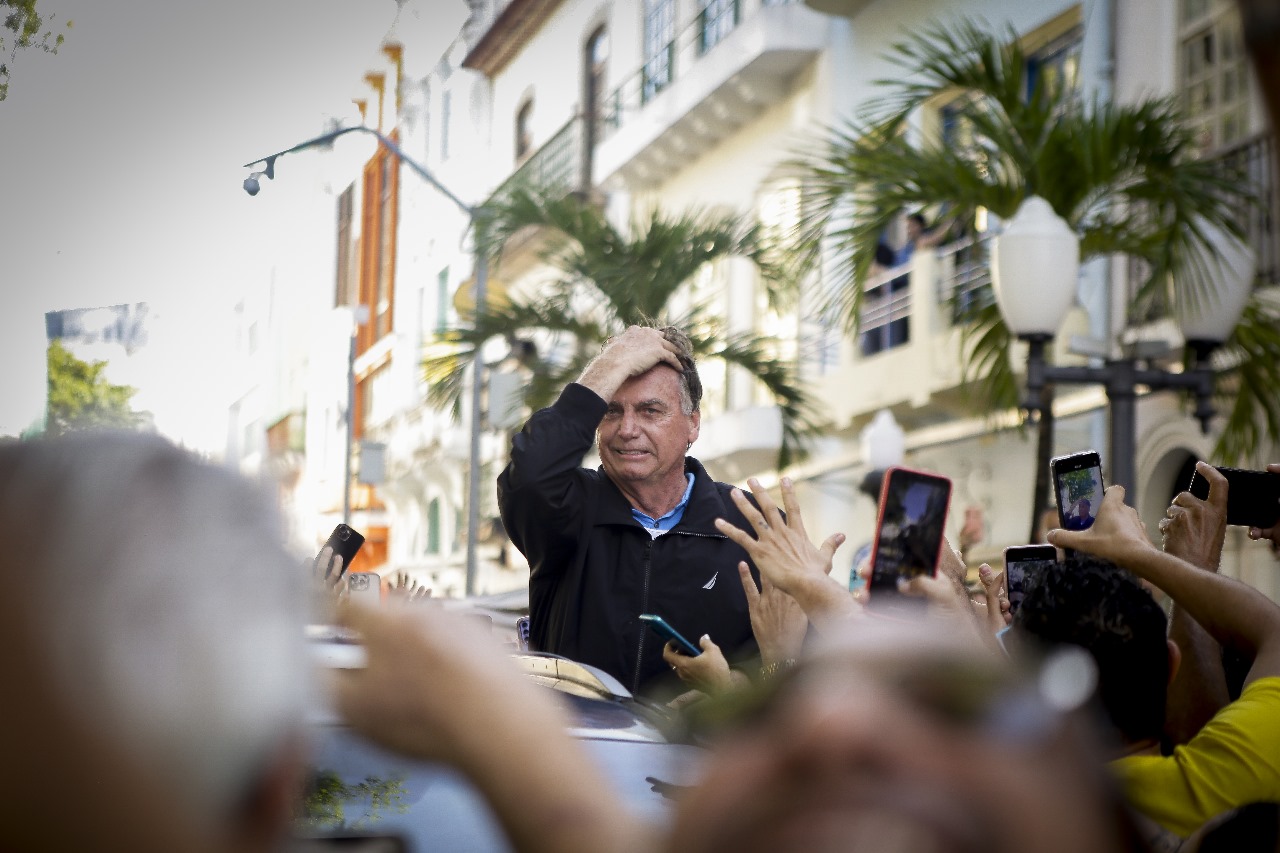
[1117, 534]
[777, 620]
[1195, 529]
[408, 589]
[781, 550]
[327, 572]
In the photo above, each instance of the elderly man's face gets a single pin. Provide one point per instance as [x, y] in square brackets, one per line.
[644, 434]
[904, 746]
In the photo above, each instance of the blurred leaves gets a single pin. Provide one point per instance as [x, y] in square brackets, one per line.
[81, 398]
[1124, 176]
[604, 280]
[23, 27]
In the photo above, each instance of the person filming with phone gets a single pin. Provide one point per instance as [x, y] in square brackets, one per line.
[635, 536]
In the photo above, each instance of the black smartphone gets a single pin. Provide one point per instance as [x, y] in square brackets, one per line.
[1022, 562]
[658, 624]
[345, 542]
[913, 511]
[1253, 497]
[1077, 484]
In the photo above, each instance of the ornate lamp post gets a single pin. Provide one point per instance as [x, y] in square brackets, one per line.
[1034, 266]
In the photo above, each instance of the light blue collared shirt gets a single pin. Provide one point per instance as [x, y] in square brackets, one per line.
[668, 521]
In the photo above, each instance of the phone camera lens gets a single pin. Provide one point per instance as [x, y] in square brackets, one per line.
[344, 535]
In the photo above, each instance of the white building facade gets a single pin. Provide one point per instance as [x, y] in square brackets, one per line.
[699, 103]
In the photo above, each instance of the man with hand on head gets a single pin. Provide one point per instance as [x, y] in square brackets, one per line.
[637, 535]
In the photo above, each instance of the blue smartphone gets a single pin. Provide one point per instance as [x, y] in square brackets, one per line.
[657, 623]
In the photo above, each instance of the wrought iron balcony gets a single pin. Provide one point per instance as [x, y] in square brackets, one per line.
[559, 165]
[727, 64]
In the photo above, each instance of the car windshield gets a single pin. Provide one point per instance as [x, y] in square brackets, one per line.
[355, 787]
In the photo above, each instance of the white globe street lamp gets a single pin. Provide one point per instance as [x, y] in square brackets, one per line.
[1034, 266]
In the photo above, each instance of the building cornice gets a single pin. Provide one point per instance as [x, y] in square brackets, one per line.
[508, 34]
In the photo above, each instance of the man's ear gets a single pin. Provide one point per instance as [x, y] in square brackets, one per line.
[695, 425]
[271, 805]
[1175, 658]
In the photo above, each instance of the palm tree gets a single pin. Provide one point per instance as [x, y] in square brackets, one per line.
[1123, 176]
[605, 281]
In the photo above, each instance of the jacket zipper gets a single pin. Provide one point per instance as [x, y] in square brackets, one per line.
[644, 597]
[644, 605]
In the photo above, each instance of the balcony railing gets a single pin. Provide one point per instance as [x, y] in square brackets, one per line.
[967, 284]
[559, 165]
[1254, 161]
[715, 20]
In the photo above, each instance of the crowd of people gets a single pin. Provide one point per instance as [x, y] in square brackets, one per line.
[157, 676]
[163, 673]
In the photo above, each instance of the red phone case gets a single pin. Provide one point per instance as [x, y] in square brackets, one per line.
[884, 493]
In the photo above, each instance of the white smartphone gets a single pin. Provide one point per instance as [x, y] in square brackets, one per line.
[365, 587]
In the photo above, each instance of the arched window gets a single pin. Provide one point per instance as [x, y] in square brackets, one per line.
[595, 61]
[524, 134]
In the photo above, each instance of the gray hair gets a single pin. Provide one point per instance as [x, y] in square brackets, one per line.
[690, 381]
[166, 605]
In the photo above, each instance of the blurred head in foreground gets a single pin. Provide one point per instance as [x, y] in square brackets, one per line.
[899, 736]
[159, 619]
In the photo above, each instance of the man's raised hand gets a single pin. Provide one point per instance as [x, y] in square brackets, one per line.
[632, 353]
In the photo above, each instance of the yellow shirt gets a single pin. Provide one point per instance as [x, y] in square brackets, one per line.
[1232, 761]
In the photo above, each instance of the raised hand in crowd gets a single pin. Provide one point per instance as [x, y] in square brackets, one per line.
[1196, 529]
[406, 588]
[777, 620]
[533, 776]
[1236, 615]
[947, 601]
[326, 572]
[783, 553]
[1272, 533]
[1117, 534]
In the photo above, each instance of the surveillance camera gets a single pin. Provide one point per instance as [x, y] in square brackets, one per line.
[251, 185]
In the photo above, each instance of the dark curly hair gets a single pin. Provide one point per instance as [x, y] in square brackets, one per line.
[1094, 604]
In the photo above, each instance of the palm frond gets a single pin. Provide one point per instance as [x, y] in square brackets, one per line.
[1247, 391]
[1123, 176]
[607, 280]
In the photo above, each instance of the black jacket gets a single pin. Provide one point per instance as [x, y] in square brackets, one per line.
[593, 569]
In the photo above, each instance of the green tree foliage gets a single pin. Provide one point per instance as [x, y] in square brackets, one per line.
[24, 27]
[607, 280]
[1123, 176]
[327, 798]
[81, 398]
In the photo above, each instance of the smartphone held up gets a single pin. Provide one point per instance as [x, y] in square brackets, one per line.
[343, 543]
[1021, 564]
[1078, 486]
[1253, 497]
[909, 532]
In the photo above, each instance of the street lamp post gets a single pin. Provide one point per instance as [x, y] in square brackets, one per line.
[1034, 266]
[252, 185]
